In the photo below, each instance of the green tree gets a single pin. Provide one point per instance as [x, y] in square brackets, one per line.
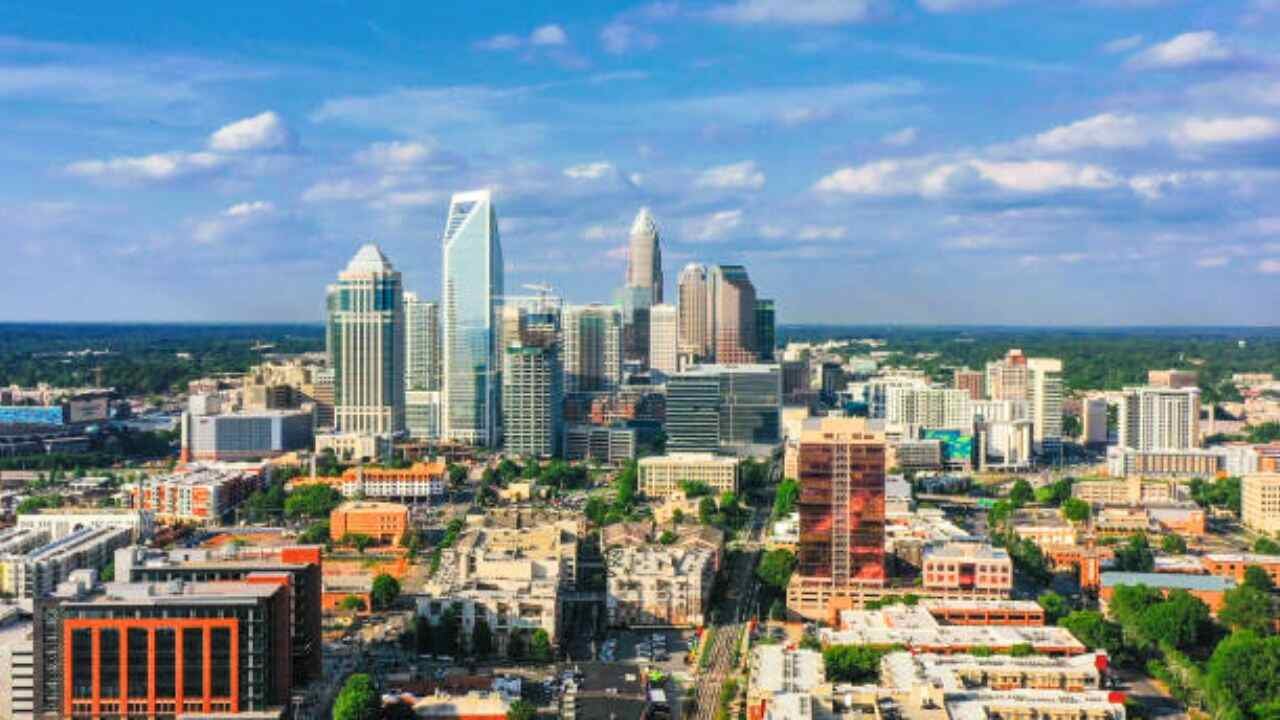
[1076, 510]
[1135, 555]
[1247, 608]
[1022, 650]
[1266, 546]
[482, 639]
[522, 710]
[317, 533]
[1054, 605]
[1256, 577]
[1181, 620]
[385, 590]
[595, 509]
[457, 475]
[625, 485]
[1267, 432]
[446, 636]
[777, 610]
[776, 567]
[1055, 493]
[1000, 513]
[706, 511]
[1173, 544]
[359, 541]
[1243, 675]
[852, 663]
[1021, 493]
[694, 488]
[352, 603]
[358, 700]
[1129, 602]
[667, 537]
[785, 497]
[312, 501]
[1094, 631]
[540, 646]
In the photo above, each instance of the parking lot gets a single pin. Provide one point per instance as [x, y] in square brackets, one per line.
[638, 646]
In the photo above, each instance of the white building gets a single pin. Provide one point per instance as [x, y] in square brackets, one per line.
[61, 522]
[422, 343]
[1093, 416]
[17, 665]
[928, 407]
[1159, 418]
[664, 338]
[662, 476]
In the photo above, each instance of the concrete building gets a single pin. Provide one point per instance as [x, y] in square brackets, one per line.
[1039, 382]
[38, 571]
[644, 256]
[1093, 418]
[17, 664]
[917, 629]
[532, 400]
[694, 325]
[422, 344]
[903, 671]
[730, 409]
[1260, 502]
[968, 568]
[364, 340]
[200, 495]
[609, 445]
[241, 436]
[971, 381]
[1129, 491]
[783, 679]
[766, 330]
[1152, 418]
[664, 339]
[61, 522]
[662, 476]
[385, 523]
[1173, 379]
[1191, 462]
[731, 309]
[422, 410]
[592, 352]
[472, 278]
[420, 482]
[915, 455]
[652, 584]
[917, 408]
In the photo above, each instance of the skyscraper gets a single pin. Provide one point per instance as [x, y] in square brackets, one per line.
[695, 340]
[592, 348]
[1045, 395]
[1154, 418]
[422, 343]
[472, 272]
[841, 470]
[532, 376]
[664, 321]
[365, 343]
[732, 409]
[765, 330]
[731, 309]
[644, 256]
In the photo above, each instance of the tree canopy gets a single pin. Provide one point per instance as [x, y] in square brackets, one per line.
[312, 501]
[776, 567]
[358, 700]
[385, 590]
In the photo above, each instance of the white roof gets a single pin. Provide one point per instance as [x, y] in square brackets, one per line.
[369, 259]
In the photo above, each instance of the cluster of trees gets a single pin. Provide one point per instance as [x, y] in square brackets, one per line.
[774, 571]
[728, 514]
[447, 638]
[854, 663]
[1134, 554]
[785, 498]
[623, 506]
[312, 501]
[451, 533]
[1219, 493]
[1055, 493]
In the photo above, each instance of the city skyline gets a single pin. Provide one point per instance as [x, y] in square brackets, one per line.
[966, 162]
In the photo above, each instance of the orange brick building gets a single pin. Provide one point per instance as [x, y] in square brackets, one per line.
[1210, 589]
[1233, 565]
[197, 495]
[384, 522]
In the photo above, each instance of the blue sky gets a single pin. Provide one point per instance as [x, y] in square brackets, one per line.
[920, 161]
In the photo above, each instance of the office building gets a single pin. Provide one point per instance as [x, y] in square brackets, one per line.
[422, 343]
[532, 400]
[1093, 420]
[472, 281]
[1172, 379]
[967, 568]
[1045, 395]
[252, 435]
[324, 398]
[1192, 462]
[383, 522]
[971, 381]
[644, 256]
[592, 352]
[731, 409]
[1008, 378]
[840, 465]
[200, 494]
[695, 334]
[299, 567]
[166, 650]
[766, 332]
[1260, 502]
[663, 475]
[795, 379]
[921, 629]
[664, 328]
[731, 307]
[422, 414]
[365, 344]
[17, 664]
[1152, 418]
[609, 445]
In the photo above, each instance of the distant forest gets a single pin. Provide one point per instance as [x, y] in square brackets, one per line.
[156, 359]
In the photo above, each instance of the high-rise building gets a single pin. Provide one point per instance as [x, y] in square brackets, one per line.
[422, 414]
[695, 337]
[1008, 378]
[1093, 416]
[1172, 378]
[1045, 394]
[422, 343]
[732, 409]
[1152, 418]
[644, 256]
[472, 272]
[841, 471]
[936, 408]
[971, 381]
[765, 330]
[592, 348]
[365, 345]
[664, 351]
[532, 376]
[731, 308]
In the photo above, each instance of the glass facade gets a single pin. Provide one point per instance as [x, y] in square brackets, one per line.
[841, 508]
[472, 282]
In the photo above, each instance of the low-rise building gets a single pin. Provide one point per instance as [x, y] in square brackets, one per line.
[609, 445]
[1128, 491]
[657, 583]
[662, 476]
[199, 495]
[38, 571]
[420, 482]
[1191, 462]
[61, 522]
[917, 629]
[245, 435]
[1260, 502]
[903, 671]
[968, 568]
[17, 664]
[385, 523]
[1210, 589]
[782, 680]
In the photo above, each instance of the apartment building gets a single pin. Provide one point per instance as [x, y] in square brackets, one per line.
[651, 583]
[38, 571]
[199, 495]
[421, 482]
[61, 522]
[1260, 502]
[662, 476]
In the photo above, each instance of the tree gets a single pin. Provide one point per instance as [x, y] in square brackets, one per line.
[1094, 631]
[1266, 546]
[667, 537]
[1247, 608]
[1055, 493]
[457, 475]
[777, 610]
[785, 497]
[352, 603]
[359, 541]
[1135, 555]
[1129, 602]
[312, 501]
[358, 700]
[522, 710]
[1055, 607]
[694, 488]
[1000, 513]
[776, 567]
[1173, 544]
[1244, 673]
[1022, 650]
[1256, 577]
[706, 511]
[540, 646]
[1021, 493]
[1266, 432]
[1076, 510]
[1181, 620]
[595, 509]
[625, 485]
[446, 635]
[482, 639]
[852, 663]
[317, 533]
[385, 590]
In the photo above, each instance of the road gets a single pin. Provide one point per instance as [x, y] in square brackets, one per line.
[731, 620]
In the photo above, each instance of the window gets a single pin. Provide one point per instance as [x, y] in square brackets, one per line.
[192, 662]
[82, 663]
[166, 663]
[109, 662]
[221, 662]
[138, 661]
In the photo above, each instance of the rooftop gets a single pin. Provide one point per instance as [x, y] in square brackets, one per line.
[1169, 581]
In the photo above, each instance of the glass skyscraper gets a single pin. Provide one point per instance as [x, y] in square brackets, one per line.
[472, 272]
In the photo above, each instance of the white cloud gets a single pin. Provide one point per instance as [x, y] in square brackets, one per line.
[1186, 50]
[1212, 261]
[395, 155]
[265, 131]
[820, 232]
[596, 233]
[1223, 130]
[948, 6]
[245, 209]
[159, 167]
[796, 12]
[403, 199]
[235, 218]
[975, 242]
[1100, 131]
[1270, 266]
[548, 35]
[736, 176]
[932, 177]
[1033, 176]
[589, 171]
[883, 177]
[501, 42]
[901, 138]
[1122, 44]
[619, 37]
[715, 226]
